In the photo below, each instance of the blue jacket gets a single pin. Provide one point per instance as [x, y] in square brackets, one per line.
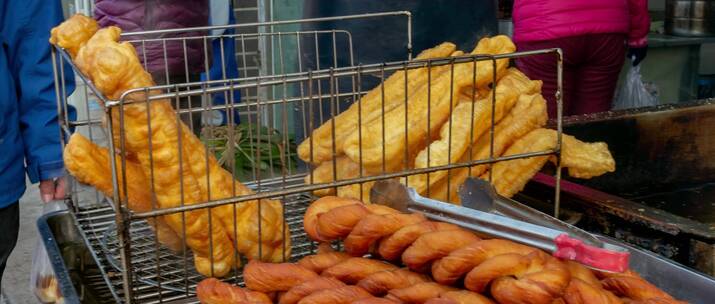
[29, 130]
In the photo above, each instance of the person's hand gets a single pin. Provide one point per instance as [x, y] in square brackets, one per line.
[637, 54]
[52, 189]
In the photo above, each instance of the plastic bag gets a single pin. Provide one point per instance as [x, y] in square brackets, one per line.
[634, 93]
[42, 277]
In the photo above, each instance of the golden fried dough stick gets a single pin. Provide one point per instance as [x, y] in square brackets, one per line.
[114, 68]
[345, 168]
[370, 108]
[73, 33]
[469, 121]
[586, 159]
[529, 113]
[434, 100]
[90, 164]
[510, 177]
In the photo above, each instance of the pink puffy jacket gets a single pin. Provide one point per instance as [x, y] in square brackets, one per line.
[537, 20]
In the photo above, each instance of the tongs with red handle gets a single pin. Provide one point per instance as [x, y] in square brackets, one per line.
[503, 218]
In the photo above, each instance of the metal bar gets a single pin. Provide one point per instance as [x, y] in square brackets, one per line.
[272, 23]
[322, 74]
[310, 188]
[122, 229]
[559, 129]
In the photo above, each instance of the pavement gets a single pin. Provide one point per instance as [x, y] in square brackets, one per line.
[16, 279]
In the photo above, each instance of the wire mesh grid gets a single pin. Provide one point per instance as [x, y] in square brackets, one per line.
[288, 106]
[161, 267]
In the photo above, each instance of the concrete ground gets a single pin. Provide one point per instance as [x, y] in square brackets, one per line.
[16, 279]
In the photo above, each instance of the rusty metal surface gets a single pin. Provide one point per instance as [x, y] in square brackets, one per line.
[666, 147]
[665, 171]
[628, 210]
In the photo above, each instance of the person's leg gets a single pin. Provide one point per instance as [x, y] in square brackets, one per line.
[598, 74]
[9, 225]
[543, 67]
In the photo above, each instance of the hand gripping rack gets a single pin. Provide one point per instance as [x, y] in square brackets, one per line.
[490, 214]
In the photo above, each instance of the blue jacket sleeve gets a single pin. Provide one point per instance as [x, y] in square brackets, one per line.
[31, 67]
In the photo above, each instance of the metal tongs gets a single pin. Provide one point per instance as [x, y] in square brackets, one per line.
[486, 212]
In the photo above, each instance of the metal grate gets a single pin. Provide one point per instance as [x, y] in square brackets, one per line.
[158, 266]
[134, 265]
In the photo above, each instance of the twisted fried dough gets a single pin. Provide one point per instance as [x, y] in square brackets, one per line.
[630, 285]
[462, 297]
[581, 292]
[323, 260]
[441, 301]
[213, 291]
[298, 292]
[270, 277]
[340, 295]
[374, 300]
[431, 100]
[434, 245]
[353, 270]
[541, 282]
[320, 206]
[338, 222]
[335, 217]
[379, 283]
[374, 227]
[418, 293]
[457, 263]
[392, 247]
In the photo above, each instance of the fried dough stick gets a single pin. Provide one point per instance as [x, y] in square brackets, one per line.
[468, 122]
[434, 100]
[369, 108]
[528, 114]
[586, 159]
[90, 164]
[114, 68]
[212, 179]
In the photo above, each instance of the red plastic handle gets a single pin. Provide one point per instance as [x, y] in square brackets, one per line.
[572, 249]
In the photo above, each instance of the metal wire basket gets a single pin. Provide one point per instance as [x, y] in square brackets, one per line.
[279, 108]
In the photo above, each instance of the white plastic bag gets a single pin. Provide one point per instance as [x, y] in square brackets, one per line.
[634, 93]
[42, 278]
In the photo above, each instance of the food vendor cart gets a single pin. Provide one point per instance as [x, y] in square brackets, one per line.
[108, 246]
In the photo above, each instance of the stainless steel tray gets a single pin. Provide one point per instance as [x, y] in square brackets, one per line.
[681, 282]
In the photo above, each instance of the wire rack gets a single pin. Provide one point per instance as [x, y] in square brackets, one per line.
[316, 78]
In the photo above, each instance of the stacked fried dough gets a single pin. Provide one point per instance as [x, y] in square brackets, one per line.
[446, 120]
[166, 165]
[415, 260]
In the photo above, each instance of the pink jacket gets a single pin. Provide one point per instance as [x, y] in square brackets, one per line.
[536, 20]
